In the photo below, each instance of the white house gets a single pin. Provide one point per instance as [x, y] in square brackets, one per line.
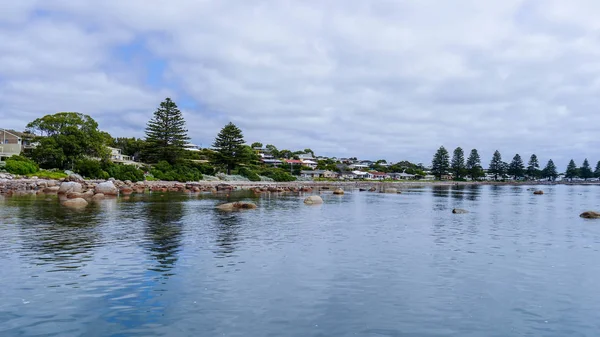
[117, 157]
[309, 163]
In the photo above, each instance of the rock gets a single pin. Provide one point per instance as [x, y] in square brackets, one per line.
[75, 177]
[224, 187]
[75, 203]
[74, 195]
[51, 183]
[126, 190]
[88, 194]
[362, 189]
[51, 189]
[590, 215]
[459, 211]
[391, 190]
[234, 206]
[70, 186]
[338, 191]
[325, 187]
[372, 189]
[98, 197]
[313, 200]
[107, 188]
[538, 192]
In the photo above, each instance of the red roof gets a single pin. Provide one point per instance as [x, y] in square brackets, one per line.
[293, 161]
[379, 173]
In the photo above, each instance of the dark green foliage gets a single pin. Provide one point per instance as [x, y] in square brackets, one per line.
[458, 163]
[585, 171]
[182, 172]
[69, 136]
[533, 167]
[329, 164]
[516, 168]
[440, 164]
[473, 166]
[550, 172]
[165, 134]
[20, 165]
[496, 165]
[257, 145]
[230, 149]
[90, 168]
[94, 169]
[572, 170]
[248, 173]
[278, 174]
[597, 170]
[124, 172]
[132, 147]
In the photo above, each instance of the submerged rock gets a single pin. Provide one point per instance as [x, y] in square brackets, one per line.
[313, 200]
[391, 190]
[590, 215]
[372, 189]
[75, 203]
[459, 211]
[107, 188]
[233, 206]
[538, 192]
[338, 191]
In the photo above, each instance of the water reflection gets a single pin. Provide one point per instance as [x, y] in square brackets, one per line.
[163, 230]
[227, 228]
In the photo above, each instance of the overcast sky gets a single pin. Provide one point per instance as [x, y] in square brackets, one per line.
[374, 79]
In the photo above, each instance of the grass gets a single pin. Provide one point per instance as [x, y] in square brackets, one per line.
[43, 174]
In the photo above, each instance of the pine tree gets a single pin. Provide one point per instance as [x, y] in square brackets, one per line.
[458, 163]
[533, 167]
[549, 171]
[497, 165]
[597, 170]
[572, 171]
[474, 165]
[440, 163]
[585, 171]
[516, 167]
[229, 147]
[165, 133]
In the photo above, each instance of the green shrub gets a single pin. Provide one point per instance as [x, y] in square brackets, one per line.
[185, 171]
[89, 168]
[43, 174]
[248, 173]
[20, 165]
[278, 174]
[122, 172]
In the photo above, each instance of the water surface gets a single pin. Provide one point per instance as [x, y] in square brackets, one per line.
[361, 264]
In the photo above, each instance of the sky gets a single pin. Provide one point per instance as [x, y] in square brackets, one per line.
[373, 79]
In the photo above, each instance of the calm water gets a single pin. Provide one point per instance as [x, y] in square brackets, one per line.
[362, 264]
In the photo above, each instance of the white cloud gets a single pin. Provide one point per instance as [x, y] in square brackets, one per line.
[372, 79]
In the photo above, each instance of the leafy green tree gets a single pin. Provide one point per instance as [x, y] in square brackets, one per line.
[458, 163]
[473, 166]
[496, 165]
[572, 171]
[20, 165]
[64, 138]
[533, 167]
[440, 164]
[229, 147]
[165, 134]
[273, 150]
[129, 146]
[585, 171]
[550, 172]
[597, 170]
[516, 168]
[257, 145]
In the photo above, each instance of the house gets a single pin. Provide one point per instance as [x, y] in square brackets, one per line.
[402, 176]
[361, 175]
[318, 174]
[347, 175]
[191, 147]
[306, 156]
[429, 177]
[378, 175]
[271, 162]
[358, 166]
[11, 143]
[309, 163]
[117, 157]
[293, 162]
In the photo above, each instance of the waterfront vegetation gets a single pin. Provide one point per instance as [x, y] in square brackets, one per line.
[71, 141]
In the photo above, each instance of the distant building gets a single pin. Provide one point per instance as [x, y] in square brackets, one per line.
[318, 174]
[191, 147]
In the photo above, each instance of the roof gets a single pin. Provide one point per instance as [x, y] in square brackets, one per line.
[293, 161]
[13, 132]
[308, 162]
[379, 173]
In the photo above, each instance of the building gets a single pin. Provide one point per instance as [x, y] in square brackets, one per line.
[318, 174]
[378, 175]
[309, 163]
[117, 157]
[191, 147]
[402, 176]
[347, 175]
[271, 162]
[358, 166]
[12, 143]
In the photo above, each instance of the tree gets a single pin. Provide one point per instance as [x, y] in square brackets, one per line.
[440, 163]
[496, 165]
[229, 147]
[572, 170]
[585, 171]
[165, 133]
[65, 137]
[458, 163]
[129, 146]
[597, 170]
[256, 145]
[473, 166]
[516, 168]
[533, 167]
[549, 171]
[272, 150]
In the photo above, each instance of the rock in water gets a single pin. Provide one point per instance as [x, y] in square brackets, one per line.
[98, 197]
[313, 200]
[538, 192]
[372, 189]
[391, 190]
[234, 206]
[75, 203]
[107, 188]
[590, 215]
[459, 211]
[70, 186]
[338, 191]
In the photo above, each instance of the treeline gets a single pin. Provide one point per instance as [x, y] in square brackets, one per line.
[472, 168]
[72, 141]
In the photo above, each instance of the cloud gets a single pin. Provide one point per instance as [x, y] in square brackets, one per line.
[378, 79]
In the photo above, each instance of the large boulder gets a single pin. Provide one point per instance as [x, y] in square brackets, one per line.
[74, 195]
[459, 211]
[338, 191]
[538, 192]
[75, 177]
[234, 206]
[98, 197]
[75, 203]
[70, 186]
[590, 215]
[107, 188]
[372, 189]
[126, 190]
[51, 189]
[313, 200]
